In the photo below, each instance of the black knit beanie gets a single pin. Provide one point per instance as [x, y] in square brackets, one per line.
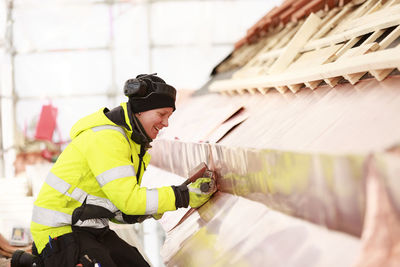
[159, 95]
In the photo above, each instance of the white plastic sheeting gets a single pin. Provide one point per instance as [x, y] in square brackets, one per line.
[61, 27]
[69, 111]
[89, 49]
[3, 19]
[77, 54]
[190, 37]
[131, 42]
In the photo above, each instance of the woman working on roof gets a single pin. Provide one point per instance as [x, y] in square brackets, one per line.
[97, 178]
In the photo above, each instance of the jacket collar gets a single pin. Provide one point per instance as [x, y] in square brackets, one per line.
[123, 116]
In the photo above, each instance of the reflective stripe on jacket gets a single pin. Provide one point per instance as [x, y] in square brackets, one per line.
[99, 166]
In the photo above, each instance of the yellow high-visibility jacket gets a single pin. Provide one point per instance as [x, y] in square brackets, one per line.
[98, 167]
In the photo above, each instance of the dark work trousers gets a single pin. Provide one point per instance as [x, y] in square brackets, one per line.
[104, 247]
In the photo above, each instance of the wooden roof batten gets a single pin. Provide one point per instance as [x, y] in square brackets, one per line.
[343, 42]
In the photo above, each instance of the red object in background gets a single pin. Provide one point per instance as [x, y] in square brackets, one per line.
[47, 123]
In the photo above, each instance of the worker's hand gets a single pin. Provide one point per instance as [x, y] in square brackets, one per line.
[196, 197]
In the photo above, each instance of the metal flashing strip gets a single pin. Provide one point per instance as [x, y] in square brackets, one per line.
[234, 231]
[271, 205]
[324, 189]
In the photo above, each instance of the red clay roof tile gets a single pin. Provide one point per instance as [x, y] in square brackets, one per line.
[312, 6]
[289, 10]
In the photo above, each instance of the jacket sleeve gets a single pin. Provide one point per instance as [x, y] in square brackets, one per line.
[109, 158]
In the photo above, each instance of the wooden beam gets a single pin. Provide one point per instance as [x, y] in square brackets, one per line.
[382, 74]
[363, 49]
[332, 23]
[390, 38]
[374, 17]
[378, 5]
[263, 90]
[281, 89]
[295, 87]
[392, 2]
[313, 84]
[382, 59]
[309, 27]
[315, 57]
[254, 65]
[333, 81]
[381, 23]
[378, 74]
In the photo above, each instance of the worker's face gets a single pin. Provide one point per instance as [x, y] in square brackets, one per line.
[154, 120]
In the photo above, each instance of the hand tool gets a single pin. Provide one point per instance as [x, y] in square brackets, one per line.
[199, 171]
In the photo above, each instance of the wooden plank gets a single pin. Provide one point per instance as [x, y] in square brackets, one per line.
[365, 8]
[309, 27]
[382, 59]
[381, 23]
[254, 65]
[241, 91]
[308, 47]
[333, 22]
[271, 54]
[253, 91]
[358, 2]
[359, 12]
[332, 81]
[375, 60]
[392, 2]
[382, 74]
[295, 87]
[316, 57]
[277, 37]
[377, 15]
[360, 50]
[284, 40]
[376, 7]
[375, 35]
[330, 12]
[354, 78]
[313, 84]
[390, 38]
[348, 16]
[281, 89]
[263, 90]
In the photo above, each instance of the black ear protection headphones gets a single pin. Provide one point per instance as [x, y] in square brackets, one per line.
[142, 87]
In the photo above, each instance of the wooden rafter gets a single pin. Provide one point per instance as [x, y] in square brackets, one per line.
[334, 44]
